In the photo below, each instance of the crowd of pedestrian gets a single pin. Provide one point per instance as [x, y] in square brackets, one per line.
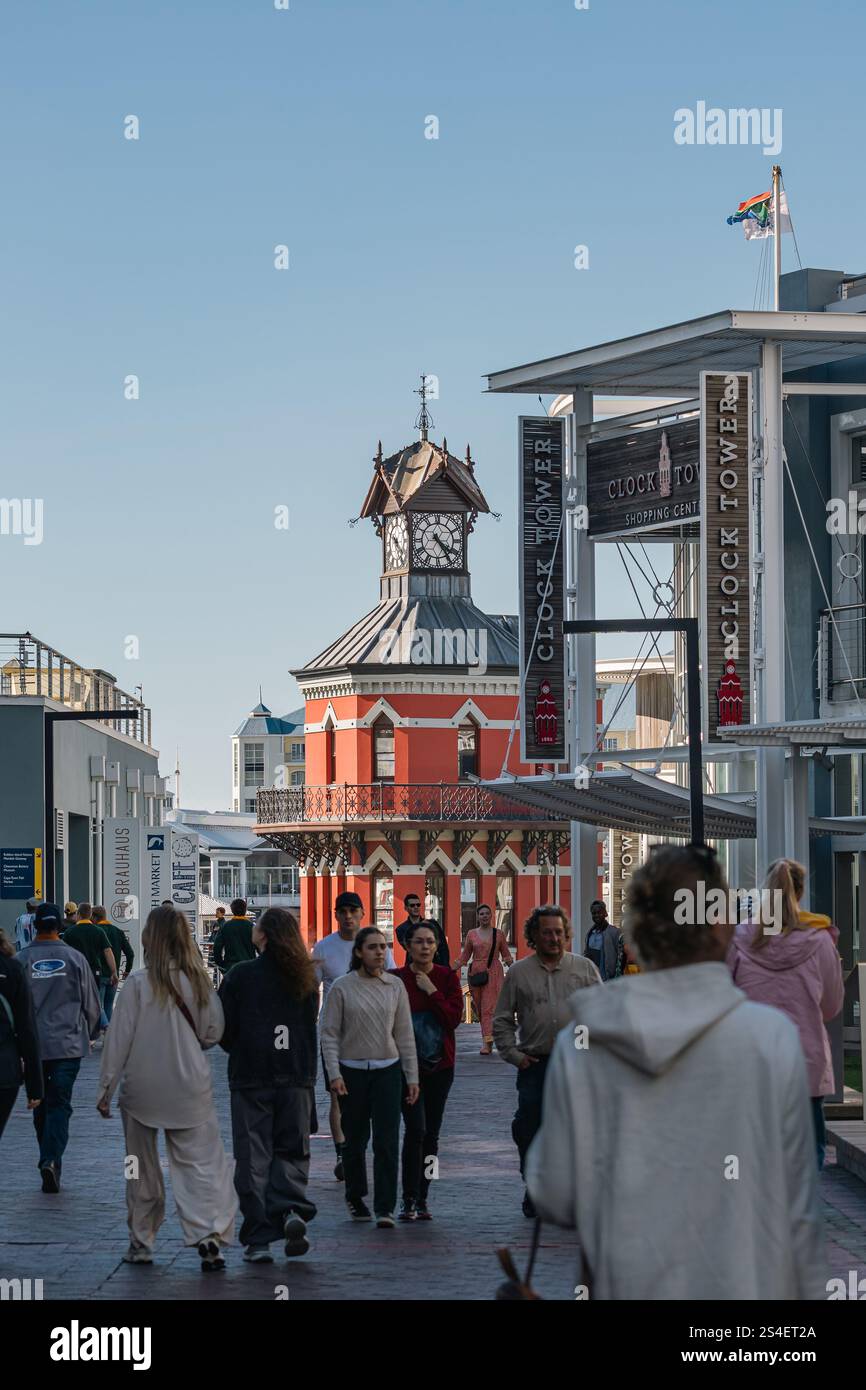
[673, 1118]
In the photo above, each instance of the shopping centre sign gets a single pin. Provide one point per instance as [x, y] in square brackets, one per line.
[644, 481]
[726, 558]
[542, 590]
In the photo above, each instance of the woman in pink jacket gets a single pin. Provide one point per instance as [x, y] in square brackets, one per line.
[794, 965]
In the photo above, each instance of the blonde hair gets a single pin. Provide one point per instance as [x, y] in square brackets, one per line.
[787, 877]
[171, 944]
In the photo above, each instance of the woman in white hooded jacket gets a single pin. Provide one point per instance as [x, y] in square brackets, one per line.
[677, 1131]
[165, 1017]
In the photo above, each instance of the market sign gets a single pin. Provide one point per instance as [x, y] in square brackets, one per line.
[644, 481]
[542, 591]
[726, 552]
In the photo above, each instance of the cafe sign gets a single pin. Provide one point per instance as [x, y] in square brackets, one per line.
[726, 552]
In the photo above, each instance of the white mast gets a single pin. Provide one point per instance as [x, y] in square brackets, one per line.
[777, 233]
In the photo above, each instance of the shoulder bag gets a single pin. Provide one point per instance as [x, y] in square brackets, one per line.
[478, 979]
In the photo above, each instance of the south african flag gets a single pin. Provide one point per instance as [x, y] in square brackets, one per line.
[756, 215]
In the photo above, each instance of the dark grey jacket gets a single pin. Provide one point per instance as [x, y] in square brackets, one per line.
[64, 998]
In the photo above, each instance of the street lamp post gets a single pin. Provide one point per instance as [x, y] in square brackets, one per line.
[53, 717]
[689, 626]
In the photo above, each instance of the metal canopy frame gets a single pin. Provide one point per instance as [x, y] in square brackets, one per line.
[667, 361]
[689, 627]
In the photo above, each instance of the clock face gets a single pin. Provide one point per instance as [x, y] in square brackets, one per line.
[396, 543]
[437, 540]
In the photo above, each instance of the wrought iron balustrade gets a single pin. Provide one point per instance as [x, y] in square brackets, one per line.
[842, 653]
[385, 801]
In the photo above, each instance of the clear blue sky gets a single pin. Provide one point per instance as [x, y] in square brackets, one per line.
[453, 257]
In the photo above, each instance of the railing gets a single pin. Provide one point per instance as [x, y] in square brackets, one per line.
[842, 653]
[31, 667]
[386, 801]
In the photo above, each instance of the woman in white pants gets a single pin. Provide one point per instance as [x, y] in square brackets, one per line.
[165, 1017]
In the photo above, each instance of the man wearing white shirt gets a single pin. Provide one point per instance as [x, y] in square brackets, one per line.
[331, 957]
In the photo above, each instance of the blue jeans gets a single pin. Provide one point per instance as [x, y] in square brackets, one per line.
[101, 987]
[51, 1118]
[107, 995]
[527, 1116]
[820, 1129]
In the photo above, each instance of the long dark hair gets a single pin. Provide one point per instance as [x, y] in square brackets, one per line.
[288, 952]
[355, 963]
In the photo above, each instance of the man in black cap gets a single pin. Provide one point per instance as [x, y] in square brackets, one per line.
[67, 1011]
[331, 958]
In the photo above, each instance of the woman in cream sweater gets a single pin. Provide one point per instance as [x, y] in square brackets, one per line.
[165, 1017]
[368, 1043]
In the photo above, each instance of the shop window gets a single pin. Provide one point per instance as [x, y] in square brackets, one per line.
[434, 897]
[505, 904]
[383, 905]
[469, 889]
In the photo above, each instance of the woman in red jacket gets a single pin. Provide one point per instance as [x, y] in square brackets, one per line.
[436, 1002]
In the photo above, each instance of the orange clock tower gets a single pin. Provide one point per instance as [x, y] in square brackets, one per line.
[407, 713]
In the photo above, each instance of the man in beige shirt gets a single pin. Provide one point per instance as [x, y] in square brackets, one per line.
[533, 999]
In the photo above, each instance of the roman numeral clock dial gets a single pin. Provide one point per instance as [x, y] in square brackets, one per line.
[437, 541]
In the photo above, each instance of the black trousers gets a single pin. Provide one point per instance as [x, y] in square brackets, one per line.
[271, 1141]
[7, 1101]
[423, 1121]
[527, 1116]
[372, 1100]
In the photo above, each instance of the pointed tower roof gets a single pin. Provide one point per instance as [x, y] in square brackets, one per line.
[414, 478]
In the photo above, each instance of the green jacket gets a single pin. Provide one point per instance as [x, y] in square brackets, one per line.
[119, 943]
[91, 941]
[233, 943]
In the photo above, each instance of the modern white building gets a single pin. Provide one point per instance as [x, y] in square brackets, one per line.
[267, 751]
[235, 863]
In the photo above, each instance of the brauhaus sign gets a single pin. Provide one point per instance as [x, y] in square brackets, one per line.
[726, 552]
[542, 591]
[644, 481]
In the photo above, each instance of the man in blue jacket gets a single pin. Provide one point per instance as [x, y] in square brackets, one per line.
[67, 1012]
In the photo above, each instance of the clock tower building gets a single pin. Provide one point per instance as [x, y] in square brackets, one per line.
[406, 715]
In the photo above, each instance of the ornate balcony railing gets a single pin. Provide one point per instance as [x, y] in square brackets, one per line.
[387, 801]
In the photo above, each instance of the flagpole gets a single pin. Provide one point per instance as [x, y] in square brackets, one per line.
[777, 233]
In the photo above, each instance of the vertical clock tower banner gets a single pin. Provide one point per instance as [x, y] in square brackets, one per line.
[542, 591]
[184, 874]
[726, 549]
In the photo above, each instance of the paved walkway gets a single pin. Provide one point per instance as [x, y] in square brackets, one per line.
[74, 1241]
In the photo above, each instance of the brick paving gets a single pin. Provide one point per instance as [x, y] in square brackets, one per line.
[74, 1241]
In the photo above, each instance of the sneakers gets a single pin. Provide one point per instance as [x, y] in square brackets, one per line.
[295, 1232]
[408, 1210]
[359, 1211]
[385, 1221]
[50, 1177]
[258, 1255]
[138, 1255]
[209, 1254]
[423, 1212]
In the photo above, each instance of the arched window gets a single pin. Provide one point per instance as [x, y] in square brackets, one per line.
[383, 751]
[434, 897]
[383, 904]
[469, 888]
[505, 904]
[467, 751]
[330, 755]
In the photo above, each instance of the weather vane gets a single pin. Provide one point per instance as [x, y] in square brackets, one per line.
[424, 422]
